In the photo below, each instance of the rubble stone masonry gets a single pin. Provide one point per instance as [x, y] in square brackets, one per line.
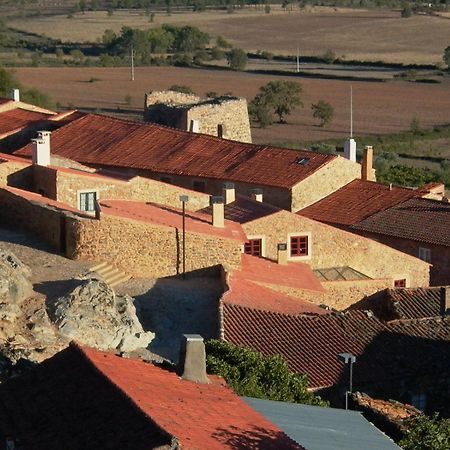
[178, 110]
[332, 247]
[143, 249]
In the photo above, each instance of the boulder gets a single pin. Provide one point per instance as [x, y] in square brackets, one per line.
[15, 285]
[93, 315]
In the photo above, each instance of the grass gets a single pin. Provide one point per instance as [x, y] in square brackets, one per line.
[356, 34]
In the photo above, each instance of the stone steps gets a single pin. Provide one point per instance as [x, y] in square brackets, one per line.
[109, 274]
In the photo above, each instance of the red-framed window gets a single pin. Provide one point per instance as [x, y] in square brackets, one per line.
[253, 247]
[299, 246]
[400, 283]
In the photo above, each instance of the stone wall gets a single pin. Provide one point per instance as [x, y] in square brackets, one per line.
[332, 247]
[323, 182]
[143, 249]
[178, 110]
[339, 294]
[440, 255]
[16, 174]
[70, 183]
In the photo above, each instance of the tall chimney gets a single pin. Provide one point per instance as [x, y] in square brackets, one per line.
[194, 126]
[221, 130]
[218, 212]
[45, 136]
[282, 257]
[15, 95]
[192, 362]
[229, 193]
[257, 195]
[40, 152]
[445, 300]
[367, 164]
[350, 149]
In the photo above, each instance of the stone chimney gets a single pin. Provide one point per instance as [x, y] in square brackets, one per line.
[229, 193]
[282, 257]
[445, 300]
[218, 212]
[367, 164]
[192, 362]
[194, 126]
[350, 149]
[257, 195]
[15, 95]
[40, 152]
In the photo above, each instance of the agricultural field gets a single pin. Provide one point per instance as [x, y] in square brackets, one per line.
[355, 34]
[379, 108]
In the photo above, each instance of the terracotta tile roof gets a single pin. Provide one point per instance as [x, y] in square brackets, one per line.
[405, 303]
[108, 141]
[17, 119]
[83, 398]
[356, 201]
[5, 157]
[292, 275]
[310, 344]
[418, 219]
[244, 210]
[171, 217]
[246, 293]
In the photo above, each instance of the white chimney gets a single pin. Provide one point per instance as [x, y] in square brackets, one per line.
[218, 212]
[350, 149]
[257, 195]
[40, 152]
[194, 126]
[45, 136]
[229, 193]
[221, 130]
[15, 95]
[445, 300]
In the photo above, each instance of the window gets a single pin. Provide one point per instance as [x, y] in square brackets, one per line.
[87, 201]
[199, 186]
[299, 246]
[425, 254]
[419, 401]
[253, 247]
[400, 283]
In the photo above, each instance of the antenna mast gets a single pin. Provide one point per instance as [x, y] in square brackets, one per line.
[132, 62]
[351, 111]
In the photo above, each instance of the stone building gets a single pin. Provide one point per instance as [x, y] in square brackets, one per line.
[225, 117]
[290, 179]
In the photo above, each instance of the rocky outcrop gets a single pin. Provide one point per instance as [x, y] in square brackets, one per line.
[93, 315]
[15, 285]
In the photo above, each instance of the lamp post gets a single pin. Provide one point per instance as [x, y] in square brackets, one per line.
[184, 199]
[348, 358]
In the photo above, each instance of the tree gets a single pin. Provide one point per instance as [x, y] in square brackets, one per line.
[250, 373]
[323, 111]
[222, 43]
[426, 433]
[329, 56]
[446, 56]
[82, 5]
[237, 59]
[415, 126]
[278, 97]
[406, 10]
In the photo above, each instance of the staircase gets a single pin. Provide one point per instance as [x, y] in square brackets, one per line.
[109, 274]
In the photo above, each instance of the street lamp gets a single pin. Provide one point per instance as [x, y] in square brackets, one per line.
[348, 358]
[184, 199]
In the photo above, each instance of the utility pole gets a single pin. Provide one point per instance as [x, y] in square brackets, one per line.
[132, 62]
[351, 112]
[298, 59]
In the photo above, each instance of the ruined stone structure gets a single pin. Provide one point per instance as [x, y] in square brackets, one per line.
[225, 117]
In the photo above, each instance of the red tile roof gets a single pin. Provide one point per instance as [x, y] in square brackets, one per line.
[418, 219]
[311, 344]
[171, 217]
[17, 119]
[291, 275]
[246, 293]
[356, 201]
[108, 141]
[244, 210]
[407, 303]
[83, 398]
